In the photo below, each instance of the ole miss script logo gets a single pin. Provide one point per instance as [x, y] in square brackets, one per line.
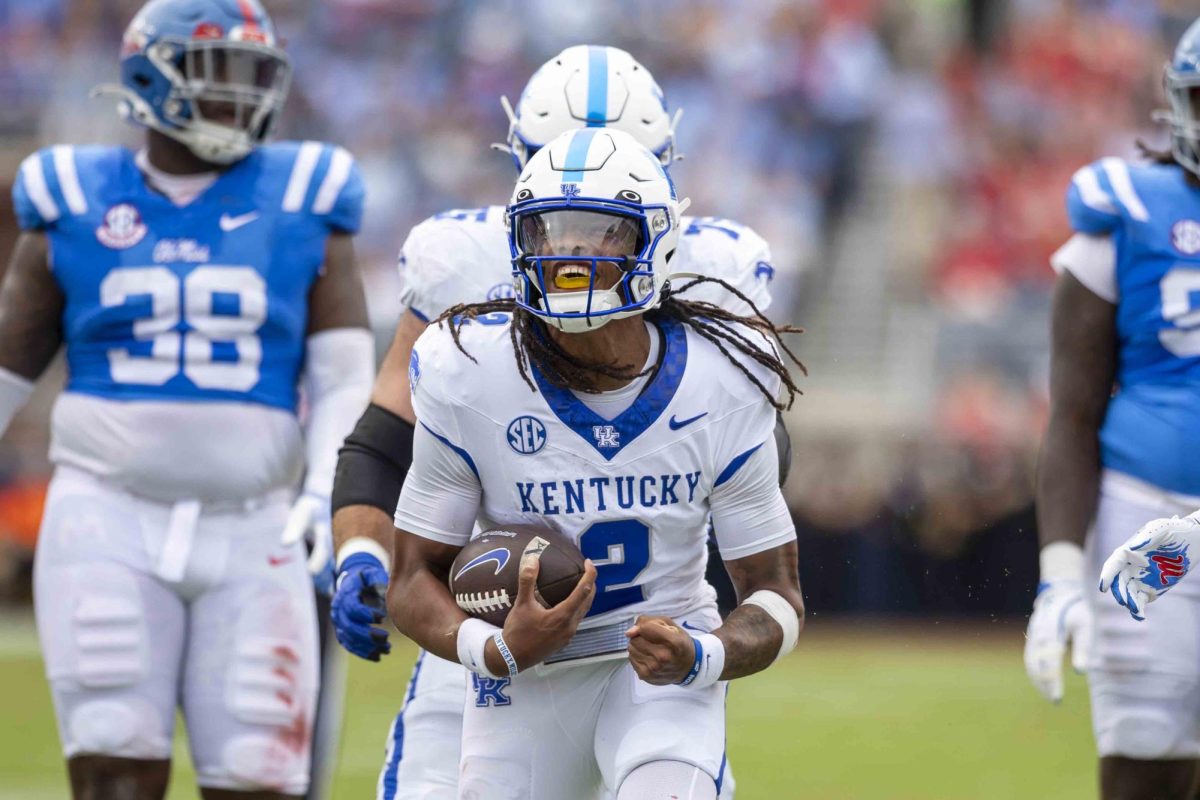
[1170, 568]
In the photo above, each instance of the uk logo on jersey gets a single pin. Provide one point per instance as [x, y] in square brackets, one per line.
[606, 436]
[526, 435]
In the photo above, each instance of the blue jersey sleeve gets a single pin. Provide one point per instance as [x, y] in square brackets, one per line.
[35, 206]
[1093, 206]
[339, 198]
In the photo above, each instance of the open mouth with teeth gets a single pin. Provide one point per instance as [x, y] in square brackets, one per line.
[572, 277]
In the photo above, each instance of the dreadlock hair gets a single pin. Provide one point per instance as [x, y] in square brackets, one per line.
[532, 345]
[1167, 157]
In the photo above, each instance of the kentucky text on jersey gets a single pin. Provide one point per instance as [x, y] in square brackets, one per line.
[1152, 427]
[598, 493]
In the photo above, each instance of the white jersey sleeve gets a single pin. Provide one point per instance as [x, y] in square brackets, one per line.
[748, 509]
[731, 252]
[455, 257]
[442, 491]
[1092, 259]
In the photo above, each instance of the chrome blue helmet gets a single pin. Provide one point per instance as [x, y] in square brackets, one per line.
[1181, 80]
[208, 73]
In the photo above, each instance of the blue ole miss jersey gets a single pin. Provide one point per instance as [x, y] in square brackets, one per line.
[1152, 214]
[204, 302]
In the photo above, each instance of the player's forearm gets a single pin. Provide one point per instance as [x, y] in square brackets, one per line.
[771, 613]
[418, 599]
[1068, 481]
[752, 640]
[367, 522]
[422, 609]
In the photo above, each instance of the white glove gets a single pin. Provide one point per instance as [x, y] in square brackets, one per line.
[1059, 616]
[1152, 561]
[310, 520]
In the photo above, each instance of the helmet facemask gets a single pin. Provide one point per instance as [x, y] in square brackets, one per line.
[1183, 94]
[225, 96]
[581, 265]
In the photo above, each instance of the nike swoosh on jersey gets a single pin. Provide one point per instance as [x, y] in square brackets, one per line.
[229, 223]
[676, 424]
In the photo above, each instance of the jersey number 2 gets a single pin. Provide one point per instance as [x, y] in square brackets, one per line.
[620, 549]
[222, 307]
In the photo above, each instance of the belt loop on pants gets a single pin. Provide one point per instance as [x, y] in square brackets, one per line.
[177, 546]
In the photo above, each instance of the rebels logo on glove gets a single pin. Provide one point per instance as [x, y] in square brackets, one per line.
[1170, 568]
[1151, 562]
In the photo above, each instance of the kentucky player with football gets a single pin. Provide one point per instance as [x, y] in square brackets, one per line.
[1121, 459]
[597, 403]
[196, 284]
[462, 256]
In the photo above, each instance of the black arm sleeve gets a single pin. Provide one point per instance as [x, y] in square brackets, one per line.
[783, 446]
[373, 461]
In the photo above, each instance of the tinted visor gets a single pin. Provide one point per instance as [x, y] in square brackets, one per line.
[570, 232]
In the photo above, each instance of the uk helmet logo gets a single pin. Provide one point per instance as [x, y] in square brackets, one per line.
[526, 435]
[122, 227]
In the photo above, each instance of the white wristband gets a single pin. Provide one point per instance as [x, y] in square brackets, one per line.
[473, 636]
[363, 544]
[1061, 561]
[709, 663]
[782, 612]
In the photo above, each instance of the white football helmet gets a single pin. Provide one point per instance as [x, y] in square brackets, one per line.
[594, 87]
[592, 206]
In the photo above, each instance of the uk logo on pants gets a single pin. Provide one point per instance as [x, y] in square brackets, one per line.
[490, 691]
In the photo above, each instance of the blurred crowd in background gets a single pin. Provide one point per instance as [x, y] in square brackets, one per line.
[906, 160]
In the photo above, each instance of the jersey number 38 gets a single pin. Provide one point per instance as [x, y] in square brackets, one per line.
[217, 347]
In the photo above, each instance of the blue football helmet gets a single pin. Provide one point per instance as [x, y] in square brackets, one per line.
[208, 73]
[1181, 80]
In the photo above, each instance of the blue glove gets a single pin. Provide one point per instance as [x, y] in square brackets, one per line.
[359, 605]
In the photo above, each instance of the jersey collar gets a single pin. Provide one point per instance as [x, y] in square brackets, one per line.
[609, 437]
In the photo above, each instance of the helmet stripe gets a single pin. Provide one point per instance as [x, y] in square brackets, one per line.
[597, 100]
[248, 14]
[576, 161]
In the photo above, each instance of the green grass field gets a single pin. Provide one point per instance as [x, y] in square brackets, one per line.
[913, 711]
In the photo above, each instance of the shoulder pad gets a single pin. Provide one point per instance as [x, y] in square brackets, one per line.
[728, 251]
[447, 254]
[322, 180]
[1103, 194]
[438, 369]
[56, 182]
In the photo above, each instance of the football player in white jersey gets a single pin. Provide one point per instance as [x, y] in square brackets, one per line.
[650, 413]
[462, 256]
[194, 285]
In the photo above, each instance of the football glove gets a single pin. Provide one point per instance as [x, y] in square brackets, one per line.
[310, 520]
[1060, 616]
[1152, 561]
[359, 605]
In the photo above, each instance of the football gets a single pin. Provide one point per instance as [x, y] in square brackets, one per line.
[483, 579]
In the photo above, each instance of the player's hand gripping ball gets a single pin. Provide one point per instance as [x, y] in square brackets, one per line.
[485, 575]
